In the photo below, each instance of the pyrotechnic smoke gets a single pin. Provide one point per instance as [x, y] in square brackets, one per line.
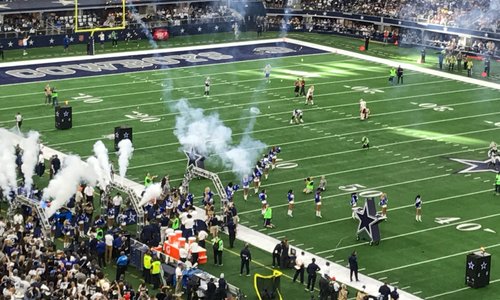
[152, 192]
[207, 135]
[64, 185]
[124, 154]
[31, 149]
[101, 153]
[93, 162]
[7, 162]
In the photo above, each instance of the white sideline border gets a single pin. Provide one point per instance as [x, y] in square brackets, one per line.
[246, 234]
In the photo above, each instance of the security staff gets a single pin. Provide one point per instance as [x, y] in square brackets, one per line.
[353, 265]
[146, 271]
[277, 254]
[312, 268]
[218, 247]
[245, 257]
[155, 273]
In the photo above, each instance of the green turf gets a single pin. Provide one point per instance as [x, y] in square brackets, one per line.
[411, 147]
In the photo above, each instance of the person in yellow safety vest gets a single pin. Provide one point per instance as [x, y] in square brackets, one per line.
[497, 184]
[218, 247]
[148, 180]
[155, 273]
[147, 262]
[176, 223]
[392, 76]
[309, 185]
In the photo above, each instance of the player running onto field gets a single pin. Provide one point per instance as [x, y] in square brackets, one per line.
[297, 87]
[317, 201]
[267, 73]
[493, 155]
[207, 86]
[309, 96]
[364, 112]
[418, 206]
[291, 201]
[296, 117]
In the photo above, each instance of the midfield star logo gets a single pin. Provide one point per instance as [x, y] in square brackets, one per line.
[475, 166]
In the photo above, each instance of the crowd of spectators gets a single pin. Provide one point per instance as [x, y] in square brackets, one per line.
[478, 14]
[21, 23]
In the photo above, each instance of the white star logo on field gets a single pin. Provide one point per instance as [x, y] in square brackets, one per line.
[182, 30]
[199, 29]
[71, 39]
[51, 41]
[31, 42]
[10, 43]
[475, 166]
[471, 265]
[484, 265]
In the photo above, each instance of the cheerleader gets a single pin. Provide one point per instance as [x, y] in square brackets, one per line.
[273, 155]
[67, 232]
[291, 197]
[317, 201]
[169, 205]
[418, 207]
[245, 183]
[266, 165]
[257, 174]
[208, 197]
[354, 204]
[263, 200]
[383, 204]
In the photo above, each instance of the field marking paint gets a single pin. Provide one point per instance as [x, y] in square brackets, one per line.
[430, 260]
[456, 291]
[395, 208]
[382, 278]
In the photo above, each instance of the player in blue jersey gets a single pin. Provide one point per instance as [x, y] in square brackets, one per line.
[383, 204]
[257, 174]
[245, 182]
[418, 207]
[354, 204]
[291, 197]
[267, 73]
[317, 201]
[263, 200]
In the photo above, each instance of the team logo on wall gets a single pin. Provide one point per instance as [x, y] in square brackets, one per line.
[272, 50]
[476, 166]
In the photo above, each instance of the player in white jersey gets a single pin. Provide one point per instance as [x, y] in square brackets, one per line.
[493, 154]
[207, 86]
[296, 116]
[267, 73]
[364, 112]
[309, 95]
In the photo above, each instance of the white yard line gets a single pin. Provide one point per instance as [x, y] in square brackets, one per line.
[456, 291]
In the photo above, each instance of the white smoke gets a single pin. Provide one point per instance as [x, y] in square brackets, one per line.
[93, 162]
[207, 135]
[152, 192]
[73, 172]
[31, 150]
[124, 154]
[101, 153]
[8, 176]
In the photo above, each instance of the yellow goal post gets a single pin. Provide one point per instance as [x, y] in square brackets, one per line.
[122, 26]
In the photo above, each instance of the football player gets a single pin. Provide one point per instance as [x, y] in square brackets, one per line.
[364, 112]
[317, 201]
[309, 95]
[296, 117]
[267, 73]
[290, 197]
[263, 200]
[207, 87]
[493, 155]
[297, 87]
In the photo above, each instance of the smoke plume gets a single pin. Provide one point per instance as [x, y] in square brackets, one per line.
[73, 172]
[7, 162]
[207, 135]
[124, 154]
[101, 153]
[152, 192]
[31, 150]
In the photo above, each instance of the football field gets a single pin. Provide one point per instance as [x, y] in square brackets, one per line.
[428, 136]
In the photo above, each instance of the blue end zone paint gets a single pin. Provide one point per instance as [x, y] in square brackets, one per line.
[161, 61]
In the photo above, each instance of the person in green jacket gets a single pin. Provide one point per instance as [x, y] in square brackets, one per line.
[218, 248]
[392, 75]
[268, 215]
[497, 184]
[309, 185]
[148, 180]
